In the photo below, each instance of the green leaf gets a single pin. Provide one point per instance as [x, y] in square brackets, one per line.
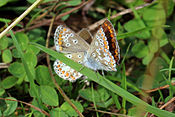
[134, 25]
[43, 76]
[22, 40]
[57, 112]
[172, 42]
[154, 15]
[36, 113]
[73, 2]
[15, 53]
[30, 59]
[36, 35]
[33, 93]
[140, 49]
[7, 56]
[66, 16]
[2, 91]
[148, 58]
[32, 1]
[32, 48]
[129, 34]
[169, 6]
[69, 110]
[3, 2]
[3, 42]
[101, 95]
[49, 95]
[153, 45]
[16, 69]
[159, 33]
[11, 106]
[132, 111]
[9, 82]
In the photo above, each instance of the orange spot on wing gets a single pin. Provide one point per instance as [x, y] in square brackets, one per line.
[105, 49]
[60, 48]
[112, 35]
[60, 35]
[60, 39]
[58, 66]
[72, 77]
[64, 29]
[60, 43]
[63, 72]
[59, 69]
[100, 31]
[67, 74]
[116, 52]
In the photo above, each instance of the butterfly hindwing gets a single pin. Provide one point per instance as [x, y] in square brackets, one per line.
[77, 57]
[66, 41]
[66, 72]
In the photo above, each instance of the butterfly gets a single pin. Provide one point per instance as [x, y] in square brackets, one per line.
[103, 53]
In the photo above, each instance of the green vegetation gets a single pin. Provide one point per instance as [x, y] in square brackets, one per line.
[143, 85]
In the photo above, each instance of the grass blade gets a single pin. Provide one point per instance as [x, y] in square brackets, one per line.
[96, 77]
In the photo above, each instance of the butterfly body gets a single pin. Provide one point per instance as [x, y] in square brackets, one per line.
[102, 53]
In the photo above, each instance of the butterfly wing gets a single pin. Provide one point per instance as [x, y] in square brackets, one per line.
[66, 41]
[86, 35]
[66, 72]
[104, 51]
[74, 46]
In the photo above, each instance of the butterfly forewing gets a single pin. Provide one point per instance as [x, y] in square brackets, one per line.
[66, 41]
[104, 48]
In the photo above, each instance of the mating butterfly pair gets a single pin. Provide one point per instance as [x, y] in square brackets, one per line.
[102, 54]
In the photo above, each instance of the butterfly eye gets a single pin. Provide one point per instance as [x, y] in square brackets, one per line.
[68, 44]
